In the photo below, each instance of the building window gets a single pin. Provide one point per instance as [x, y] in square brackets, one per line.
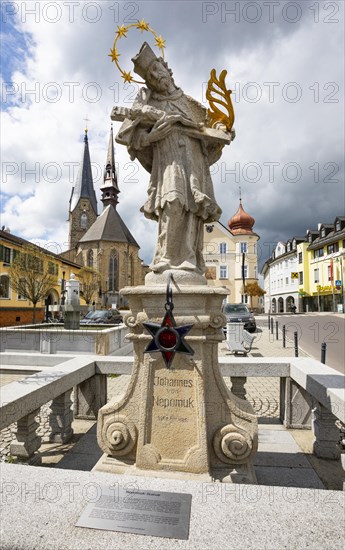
[243, 247]
[330, 272]
[222, 248]
[244, 271]
[318, 253]
[300, 277]
[255, 248]
[310, 237]
[113, 271]
[332, 248]
[323, 232]
[83, 220]
[294, 244]
[108, 170]
[288, 247]
[316, 276]
[53, 269]
[7, 255]
[22, 296]
[244, 299]
[223, 272]
[338, 226]
[286, 280]
[300, 257]
[32, 263]
[90, 258]
[4, 287]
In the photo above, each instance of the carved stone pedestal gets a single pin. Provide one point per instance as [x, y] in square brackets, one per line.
[181, 421]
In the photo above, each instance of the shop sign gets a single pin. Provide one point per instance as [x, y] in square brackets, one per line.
[320, 288]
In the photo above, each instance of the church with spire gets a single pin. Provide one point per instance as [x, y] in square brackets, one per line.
[231, 256]
[102, 241]
[83, 202]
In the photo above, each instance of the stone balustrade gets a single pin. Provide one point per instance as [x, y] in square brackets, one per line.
[312, 395]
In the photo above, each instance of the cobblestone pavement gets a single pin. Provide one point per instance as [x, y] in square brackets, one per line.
[262, 393]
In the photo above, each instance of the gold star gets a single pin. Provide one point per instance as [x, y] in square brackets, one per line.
[122, 31]
[114, 54]
[160, 42]
[127, 76]
[142, 25]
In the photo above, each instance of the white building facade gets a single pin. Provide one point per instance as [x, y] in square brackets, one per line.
[281, 277]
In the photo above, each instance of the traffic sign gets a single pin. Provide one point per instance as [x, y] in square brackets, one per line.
[294, 275]
[337, 283]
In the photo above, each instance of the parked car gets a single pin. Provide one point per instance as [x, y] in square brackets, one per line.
[240, 313]
[102, 316]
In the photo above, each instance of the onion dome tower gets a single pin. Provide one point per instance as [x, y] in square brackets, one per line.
[241, 223]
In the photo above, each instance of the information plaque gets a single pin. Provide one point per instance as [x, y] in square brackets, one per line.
[148, 512]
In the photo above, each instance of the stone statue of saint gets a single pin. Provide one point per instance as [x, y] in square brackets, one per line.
[168, 132]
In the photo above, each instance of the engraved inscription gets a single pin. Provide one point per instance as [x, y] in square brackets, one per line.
[174, 405]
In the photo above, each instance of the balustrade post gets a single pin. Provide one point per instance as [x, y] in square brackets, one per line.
[295, 405]
[90, 396]
[27, 441]
[327, 434]
[60, 418]
[237, 386]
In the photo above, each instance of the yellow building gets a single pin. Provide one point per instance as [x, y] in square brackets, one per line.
[230, 255]
[321, 287]
[16, 309]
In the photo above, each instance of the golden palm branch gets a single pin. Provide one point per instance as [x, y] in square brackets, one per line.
[218, 93]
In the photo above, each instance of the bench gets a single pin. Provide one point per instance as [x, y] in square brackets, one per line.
[238, 340]
[248, 340]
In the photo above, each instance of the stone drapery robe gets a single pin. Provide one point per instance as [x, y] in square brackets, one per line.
[180, 193]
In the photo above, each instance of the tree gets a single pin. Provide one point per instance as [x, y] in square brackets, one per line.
[32, 275]
[253, 289]
[89, 283]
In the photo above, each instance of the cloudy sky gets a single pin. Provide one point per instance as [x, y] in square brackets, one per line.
[285, 63]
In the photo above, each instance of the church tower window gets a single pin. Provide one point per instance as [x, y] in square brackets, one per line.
[83, 220]
[113, 271]
[90, 258]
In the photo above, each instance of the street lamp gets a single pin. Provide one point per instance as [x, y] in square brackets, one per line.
[243, 277]
[63, 289]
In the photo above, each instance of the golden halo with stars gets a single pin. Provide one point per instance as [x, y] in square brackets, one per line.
[121, 32]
